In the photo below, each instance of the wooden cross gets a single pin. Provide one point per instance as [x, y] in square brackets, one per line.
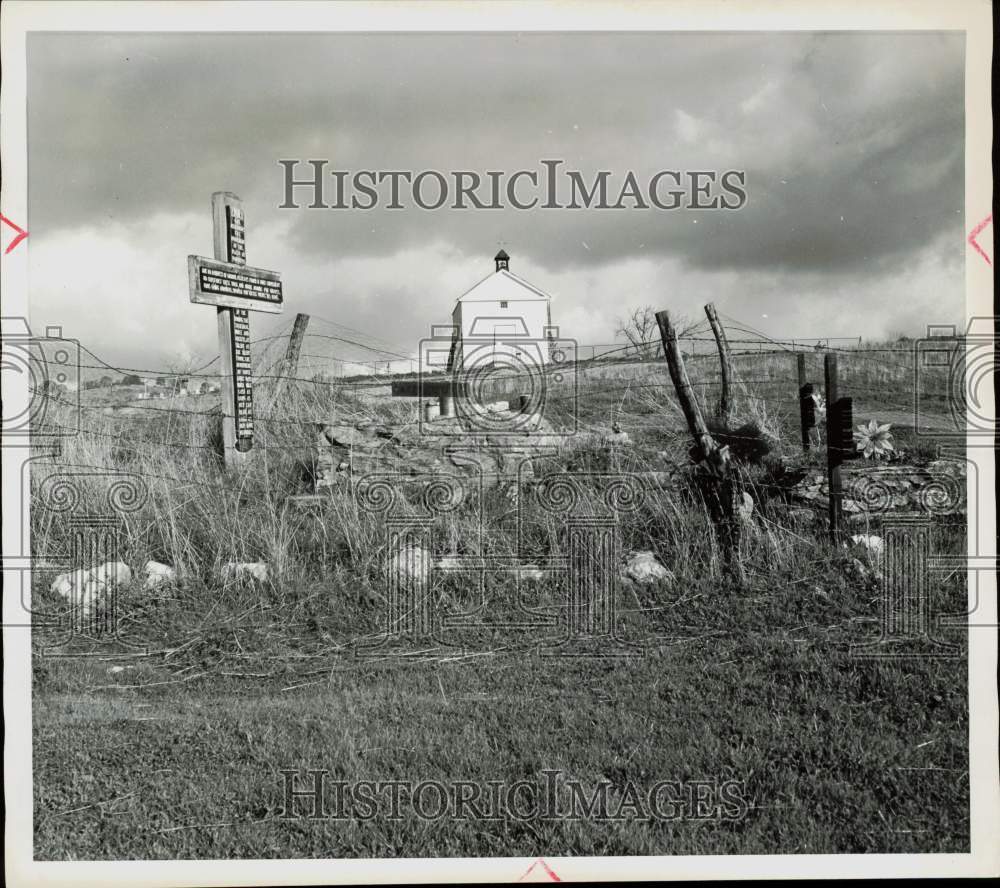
[236, 289]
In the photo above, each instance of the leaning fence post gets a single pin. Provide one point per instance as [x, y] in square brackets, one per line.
[725, 406]
[722, 490]
[289, 366]
[704, 442]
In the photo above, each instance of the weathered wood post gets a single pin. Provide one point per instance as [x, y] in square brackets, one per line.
[724, 411]
[704, 442]
[807, 403]
[229, 242]
[289, 366]
[235, 289]
[835, 483]
[720, 492]
[839, 442]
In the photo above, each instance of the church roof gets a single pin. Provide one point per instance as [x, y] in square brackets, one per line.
[501, 286]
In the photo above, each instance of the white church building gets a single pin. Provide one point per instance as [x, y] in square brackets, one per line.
[502, 320]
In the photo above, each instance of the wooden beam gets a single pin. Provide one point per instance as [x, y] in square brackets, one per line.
[217, 283]
[233, 456]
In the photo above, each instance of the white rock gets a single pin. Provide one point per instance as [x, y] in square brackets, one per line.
[745, 507]
[65, 584]
[88, 597]
[874, 544]
[113, 573]
[85, 589]
[99, 582]
[158, 575]
[497, 406]
[244, 570]
[644, 567]
[531, 573]
[411, 562]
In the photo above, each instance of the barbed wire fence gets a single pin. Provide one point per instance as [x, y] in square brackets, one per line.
[762, 362]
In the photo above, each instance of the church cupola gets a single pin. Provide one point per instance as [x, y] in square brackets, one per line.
[502, 260]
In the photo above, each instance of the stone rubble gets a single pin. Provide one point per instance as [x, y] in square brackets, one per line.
[411, 560]
[873, 489]
[157, 575]
[87, 588]
[496, 442]
[645, 568]
[234, 571]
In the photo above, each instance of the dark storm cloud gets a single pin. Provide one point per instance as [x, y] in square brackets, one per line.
[853, 144]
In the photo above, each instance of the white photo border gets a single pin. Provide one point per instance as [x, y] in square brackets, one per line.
[20, 17]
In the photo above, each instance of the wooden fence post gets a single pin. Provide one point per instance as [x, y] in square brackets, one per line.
[807, 404]
[289, 366]
[720, 487]
[725, 406]
[704, 442]
[835, 482]
[295, 343]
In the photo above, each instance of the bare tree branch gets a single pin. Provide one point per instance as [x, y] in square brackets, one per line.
[641, 332]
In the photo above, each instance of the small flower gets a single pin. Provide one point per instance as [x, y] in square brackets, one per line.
[874, 440]
[819, 407]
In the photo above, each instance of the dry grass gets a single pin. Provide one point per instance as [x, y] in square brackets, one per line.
[195, 517]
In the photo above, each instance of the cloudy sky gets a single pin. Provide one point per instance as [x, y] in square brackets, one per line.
[852, 146]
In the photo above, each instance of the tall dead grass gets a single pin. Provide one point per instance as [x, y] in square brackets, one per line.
[190, 513]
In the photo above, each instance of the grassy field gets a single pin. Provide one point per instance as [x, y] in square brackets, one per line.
[175, 748]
